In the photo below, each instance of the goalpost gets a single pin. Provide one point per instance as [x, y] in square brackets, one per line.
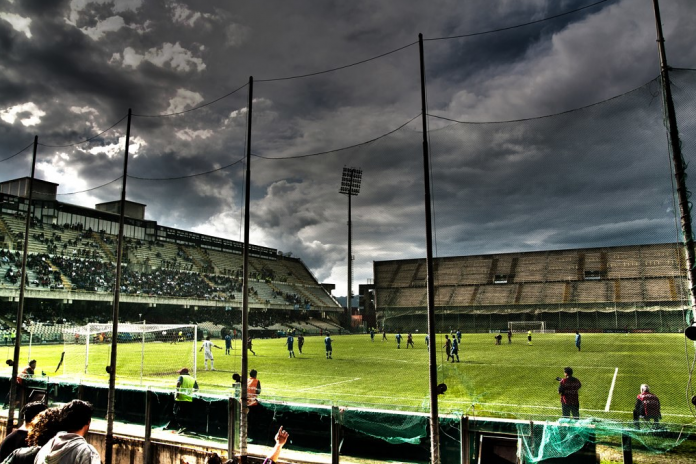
[153, 351]
[526, 326]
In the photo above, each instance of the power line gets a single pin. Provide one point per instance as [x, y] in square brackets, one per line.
[20, 151]
[300, 76]
[518, 25]
[338, 149]
[546, 115]
[90, 189]
[188, 176]
[86, 140]
[192, 109]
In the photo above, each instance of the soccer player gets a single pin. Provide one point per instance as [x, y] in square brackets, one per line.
[568, 389]
[647, 407]
[300, 342]
[290, 341]
[498, 339]
[455, 349]
[327, 343]
[384, 334]
[427, 342]
[409, 341]
[529, 337]
[509, 336]
[577, 340]
[459, 336]
[249, 345]
[208, 353]
[372, 334]
[448, 347]
[228, 343]
[398, 340]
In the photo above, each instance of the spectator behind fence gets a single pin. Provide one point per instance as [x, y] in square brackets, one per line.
[44, 427]
[280, 439]
[69, 446]
[18, 438]
[647, 407]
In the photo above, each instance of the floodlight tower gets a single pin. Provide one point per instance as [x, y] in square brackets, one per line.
[350, 186]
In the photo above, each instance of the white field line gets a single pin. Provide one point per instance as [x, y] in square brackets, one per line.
[611, 390]
[328, 384]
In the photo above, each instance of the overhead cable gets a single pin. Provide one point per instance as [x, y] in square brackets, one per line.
[16, 154]
[194, 108]
[337, 149]
[190, 175]
[300, 76]
[93, 188]
[518, 25]
[86, 140]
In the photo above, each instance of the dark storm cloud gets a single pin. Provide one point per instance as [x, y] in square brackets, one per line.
[592, 178]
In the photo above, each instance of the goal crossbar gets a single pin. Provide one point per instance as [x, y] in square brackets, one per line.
[97, 328]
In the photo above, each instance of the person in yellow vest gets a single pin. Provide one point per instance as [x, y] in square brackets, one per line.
[185, 387]
[253, 388]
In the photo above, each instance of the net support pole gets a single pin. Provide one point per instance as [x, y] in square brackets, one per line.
[243, 424]
[89, 331]
[195, 344]
[20, 306]
[232, 406]
[464, 440]
[432, 359]
[677, 160]
[335, 435]
[111, 399]
[147, 441]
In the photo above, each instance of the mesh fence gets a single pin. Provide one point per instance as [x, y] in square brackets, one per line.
[567, 223]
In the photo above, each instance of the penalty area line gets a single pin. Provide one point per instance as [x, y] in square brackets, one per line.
[328, 384]
[611, 390]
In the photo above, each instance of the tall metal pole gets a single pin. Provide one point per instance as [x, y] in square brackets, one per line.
[111, 399]
[432, 359]
[20, 308]
[677, 161]
[243, 425]
[349, 302]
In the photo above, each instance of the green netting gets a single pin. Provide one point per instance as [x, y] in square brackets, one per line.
[542, 441]
[392, 428]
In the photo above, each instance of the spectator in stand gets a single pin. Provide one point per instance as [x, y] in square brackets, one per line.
[18, 438]
[44, 427]
[647, 407]
[27, 373]
[569, 388]
[70, 446]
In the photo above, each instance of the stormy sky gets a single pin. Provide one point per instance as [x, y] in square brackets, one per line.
[544, 136]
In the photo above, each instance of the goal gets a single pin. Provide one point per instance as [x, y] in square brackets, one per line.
[526, 326]
[147, 353]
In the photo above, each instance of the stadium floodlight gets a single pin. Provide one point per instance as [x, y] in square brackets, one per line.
[350, 186]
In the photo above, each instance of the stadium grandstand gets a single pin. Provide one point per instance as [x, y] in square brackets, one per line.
[639, 287]
[71, 270]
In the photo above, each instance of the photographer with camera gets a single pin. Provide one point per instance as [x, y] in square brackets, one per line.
[568, 389]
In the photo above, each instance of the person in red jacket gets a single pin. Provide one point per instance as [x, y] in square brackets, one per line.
[647, 406]
[568, 389]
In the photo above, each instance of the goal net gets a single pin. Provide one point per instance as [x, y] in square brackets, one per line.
[526, 326]
[147, 353]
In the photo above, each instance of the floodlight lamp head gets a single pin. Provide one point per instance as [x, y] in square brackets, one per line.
[690, 332]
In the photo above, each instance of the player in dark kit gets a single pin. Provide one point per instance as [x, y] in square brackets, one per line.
[448, 347]
[409, 341]
[329, 348]
[300, 342]
[568, 389]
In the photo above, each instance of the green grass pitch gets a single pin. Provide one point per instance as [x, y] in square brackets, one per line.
[514, 381]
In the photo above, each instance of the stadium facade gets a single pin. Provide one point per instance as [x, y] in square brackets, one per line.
[76, 247]
[638, 287]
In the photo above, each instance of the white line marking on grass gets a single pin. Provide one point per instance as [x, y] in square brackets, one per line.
[611, 390]
[328, 384]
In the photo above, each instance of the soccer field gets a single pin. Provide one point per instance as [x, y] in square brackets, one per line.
[511, 380]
